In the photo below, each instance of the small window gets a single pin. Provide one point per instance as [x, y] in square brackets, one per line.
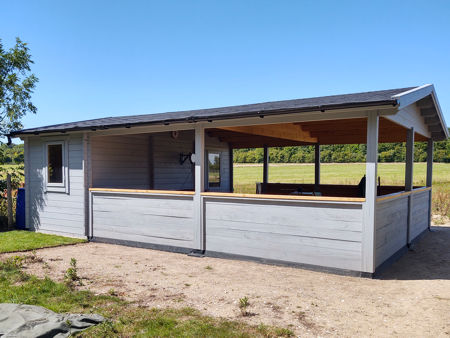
[214, 169]
[55, 163]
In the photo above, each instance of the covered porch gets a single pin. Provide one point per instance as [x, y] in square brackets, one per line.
[170, 187]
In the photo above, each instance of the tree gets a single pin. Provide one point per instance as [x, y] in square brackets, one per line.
[16, 86]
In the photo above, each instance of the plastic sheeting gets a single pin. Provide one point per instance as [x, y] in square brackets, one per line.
[19, 320]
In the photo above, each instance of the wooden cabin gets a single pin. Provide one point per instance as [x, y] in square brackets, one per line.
[165, 181]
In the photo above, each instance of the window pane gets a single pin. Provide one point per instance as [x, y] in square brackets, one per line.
[55, 169]
[214, 169]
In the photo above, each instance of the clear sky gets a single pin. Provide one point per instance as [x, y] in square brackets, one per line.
[110, 58]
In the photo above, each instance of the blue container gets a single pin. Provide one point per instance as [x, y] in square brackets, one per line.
[20, 209]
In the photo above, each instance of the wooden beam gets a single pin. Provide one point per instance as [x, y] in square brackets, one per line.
[426, 102]
[286, 131]
[409, 159]
[317, 166]
[265, 167]
[409, 179]
[231, 156]
[368, 234]
[427, 112]
[430, 162]
[144, 191]
[199, 183]
[285, 197]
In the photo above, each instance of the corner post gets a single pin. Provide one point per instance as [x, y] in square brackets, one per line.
[26, 145]
[369, 223]
[430, 146]
[409, 179]
[265, 168]
[230, 149]
[317, 167]
[409, 159]
[199, 180]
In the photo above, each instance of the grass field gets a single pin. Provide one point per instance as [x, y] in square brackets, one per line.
[246, 175]
[26, 240]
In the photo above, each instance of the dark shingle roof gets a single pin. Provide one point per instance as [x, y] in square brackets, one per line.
[381, 97]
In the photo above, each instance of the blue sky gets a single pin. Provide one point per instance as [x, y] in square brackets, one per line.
[110, 58]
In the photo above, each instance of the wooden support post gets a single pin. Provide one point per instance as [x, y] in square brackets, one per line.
[409, 159]
[368, 240]
[430, 163]
[199, 187]
[429, 178]
[409, 179]
[265, 168]
[26, 147]
[317, 167]
[9, 201]
[230, 148]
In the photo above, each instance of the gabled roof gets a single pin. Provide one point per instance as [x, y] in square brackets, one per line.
[366, 99]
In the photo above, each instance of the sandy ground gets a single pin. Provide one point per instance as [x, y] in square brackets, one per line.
[412, 298]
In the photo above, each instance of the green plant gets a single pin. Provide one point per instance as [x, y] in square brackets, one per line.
[208, 267]
[243, 305]
[71, 275]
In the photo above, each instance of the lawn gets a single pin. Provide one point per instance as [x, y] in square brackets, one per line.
[246, 175]
[124, 319]
[26, 240]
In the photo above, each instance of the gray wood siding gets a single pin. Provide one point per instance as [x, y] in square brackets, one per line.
[56, 212]
[121, 161]
[420, 213]
[325, 234]
[169, 174]
[146, 218]
[391, 227]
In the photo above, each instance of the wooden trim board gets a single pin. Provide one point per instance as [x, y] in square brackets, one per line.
[403, 193]
[285, 197]
[141, 191]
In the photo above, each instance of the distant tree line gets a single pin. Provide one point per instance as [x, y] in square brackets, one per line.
[343, 153]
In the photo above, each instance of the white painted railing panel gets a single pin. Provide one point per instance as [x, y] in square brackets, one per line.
[317, 233]
[420, 213]
[146, 218]
[391, 227]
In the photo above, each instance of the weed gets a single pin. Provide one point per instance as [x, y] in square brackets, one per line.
[243, 305]
[208, 267]
[112, 292]
[441, 203]
[14, 263]
[71, 275]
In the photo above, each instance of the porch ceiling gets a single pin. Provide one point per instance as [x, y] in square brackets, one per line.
[346, 131]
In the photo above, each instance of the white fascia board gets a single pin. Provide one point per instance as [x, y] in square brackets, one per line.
[413, 95]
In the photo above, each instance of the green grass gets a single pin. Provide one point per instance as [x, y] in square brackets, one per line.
[245, 176]
[26, 240]
[124, 319]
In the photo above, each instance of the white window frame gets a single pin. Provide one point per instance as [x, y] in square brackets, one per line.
[57, 187]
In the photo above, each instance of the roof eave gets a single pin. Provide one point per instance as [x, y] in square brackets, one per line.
[193, 119]
[413, 95]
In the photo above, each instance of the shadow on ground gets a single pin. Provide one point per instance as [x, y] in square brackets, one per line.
[428, 259]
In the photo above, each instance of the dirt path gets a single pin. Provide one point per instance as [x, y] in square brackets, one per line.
[412, 298]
